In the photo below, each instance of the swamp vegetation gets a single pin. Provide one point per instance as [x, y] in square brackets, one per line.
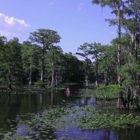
[34, 71]
[84, 111]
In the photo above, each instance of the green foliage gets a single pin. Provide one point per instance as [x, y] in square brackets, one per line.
[45, 37]
[65, 117]
[103, 92]
[74, 69]
[30, 61]
[113, 88]
[128, 72]
[122, 41]
[27, 62]
[92, 120]
[11, 63]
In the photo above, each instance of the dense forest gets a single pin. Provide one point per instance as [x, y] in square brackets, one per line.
[40, 61]
[37, 61]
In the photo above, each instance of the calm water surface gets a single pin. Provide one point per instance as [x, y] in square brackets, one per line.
[13, 106]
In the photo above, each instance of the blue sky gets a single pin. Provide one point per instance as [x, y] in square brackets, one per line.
[76, 21]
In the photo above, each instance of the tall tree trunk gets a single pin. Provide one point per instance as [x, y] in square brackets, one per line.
[86, 80]
[30, 78]
[119, 53]
[135, 30]
[53, 76]
[96, 72]
[42, 65]
[119, 47]
[52, 81]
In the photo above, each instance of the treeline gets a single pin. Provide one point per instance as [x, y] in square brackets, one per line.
[37, 61]
[119, 63]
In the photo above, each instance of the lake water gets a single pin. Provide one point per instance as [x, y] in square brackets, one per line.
[14, 106]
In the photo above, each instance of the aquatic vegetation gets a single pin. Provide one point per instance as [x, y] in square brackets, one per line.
[102, 92]
[99, 94]
[84, 118]
[56, 119]
[100, 119]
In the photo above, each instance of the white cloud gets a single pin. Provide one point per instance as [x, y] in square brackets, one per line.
[10, 26]
[81, 6]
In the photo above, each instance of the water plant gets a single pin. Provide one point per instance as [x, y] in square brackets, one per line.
[103, 92]
[84, 117]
